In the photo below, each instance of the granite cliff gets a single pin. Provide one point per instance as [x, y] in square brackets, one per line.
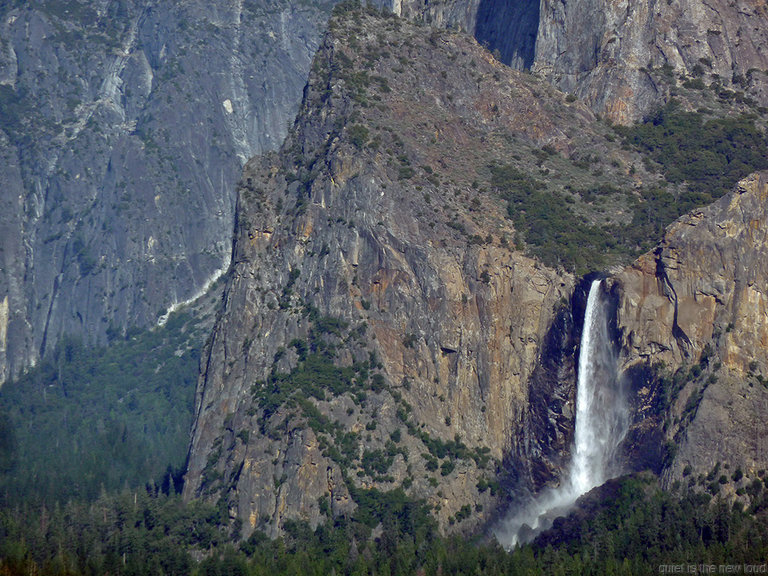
[605, 52]
[385, 326]
[403, 302]
[123, 122]
[124, 126]
[381, 329]
[695, 311]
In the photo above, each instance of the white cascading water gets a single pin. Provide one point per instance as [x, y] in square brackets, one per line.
[602, 420]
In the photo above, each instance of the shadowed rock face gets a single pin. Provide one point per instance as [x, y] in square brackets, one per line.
[601, 50]
[125, 126]
[511, 28]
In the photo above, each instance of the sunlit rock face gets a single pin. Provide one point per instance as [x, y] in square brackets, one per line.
[602, 51]
[375, 235]
[366, 232]
[698, 304]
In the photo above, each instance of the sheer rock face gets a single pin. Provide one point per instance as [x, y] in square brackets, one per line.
[125, 126]
[700, 301]
[707, 277]
[600, 50]
[369, 215]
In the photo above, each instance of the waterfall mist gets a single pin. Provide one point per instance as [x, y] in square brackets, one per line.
[602, 420]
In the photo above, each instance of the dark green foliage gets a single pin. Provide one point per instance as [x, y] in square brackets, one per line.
[358, 135]
[633, 528]
[330, 325]
[346, 7]
[464, 513]
[447, 467]
[484, 484]
[288, 288]
[88, 419]
[16, 107]
[378, 383]
[376, 462]
[300, 346]
[709, 155]
[643, 527]
[312, 377]
[557, 235]
[552, 231]
[438, 449]
[596, 193]
[139, 532]
[8, 445]
[670, 386]
[405, 172]
[82, 254]
[316, 376]
[695, 84]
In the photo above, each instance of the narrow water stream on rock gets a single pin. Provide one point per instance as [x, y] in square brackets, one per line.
[602, 419]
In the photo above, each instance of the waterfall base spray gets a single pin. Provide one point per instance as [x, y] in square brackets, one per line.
[601, 424]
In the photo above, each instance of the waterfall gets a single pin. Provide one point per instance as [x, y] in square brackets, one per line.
[602, 419]
[601, 412]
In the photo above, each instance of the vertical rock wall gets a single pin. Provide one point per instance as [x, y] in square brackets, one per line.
[125, 126]
[697, 310]
[601, 51]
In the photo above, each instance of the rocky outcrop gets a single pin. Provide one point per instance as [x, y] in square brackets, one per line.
[702, 284]
[138, 129]
[604, 51]
[375, 242]
[15, 347]
[696, 310]
[381, 327]
[453, 14]
[507, 28]
[125, 126]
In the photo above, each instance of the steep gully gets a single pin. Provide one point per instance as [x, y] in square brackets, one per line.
[602, 421]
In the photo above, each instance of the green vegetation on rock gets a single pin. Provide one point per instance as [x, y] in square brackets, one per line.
[700, 159]
[708, 154]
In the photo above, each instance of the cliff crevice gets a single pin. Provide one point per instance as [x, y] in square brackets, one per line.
[706, 389]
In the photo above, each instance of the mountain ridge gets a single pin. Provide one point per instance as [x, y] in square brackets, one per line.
[381, 247]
